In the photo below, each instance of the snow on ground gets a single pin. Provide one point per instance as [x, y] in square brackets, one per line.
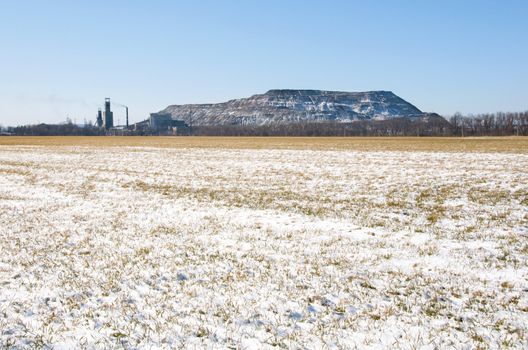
[217, 248]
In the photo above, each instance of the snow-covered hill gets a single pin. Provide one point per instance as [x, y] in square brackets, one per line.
[289, 106]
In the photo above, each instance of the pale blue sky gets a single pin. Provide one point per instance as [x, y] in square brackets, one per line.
[61, 58]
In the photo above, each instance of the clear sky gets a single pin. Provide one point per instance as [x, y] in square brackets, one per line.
[61, 58]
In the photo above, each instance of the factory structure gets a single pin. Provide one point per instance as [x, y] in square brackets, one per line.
[156, 124]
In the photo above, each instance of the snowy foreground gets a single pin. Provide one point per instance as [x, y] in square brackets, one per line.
[225, 248]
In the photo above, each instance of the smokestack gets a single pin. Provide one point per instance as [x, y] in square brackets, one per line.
[126, 117]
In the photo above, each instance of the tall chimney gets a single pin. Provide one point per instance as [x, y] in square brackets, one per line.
[126, 117]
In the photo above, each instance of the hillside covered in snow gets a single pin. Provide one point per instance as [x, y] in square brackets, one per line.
[291, 106]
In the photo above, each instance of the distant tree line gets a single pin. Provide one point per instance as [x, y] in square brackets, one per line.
[433, 125]
[66, 129]
[493, 124]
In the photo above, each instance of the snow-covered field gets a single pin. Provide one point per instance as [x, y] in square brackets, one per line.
[145, 247]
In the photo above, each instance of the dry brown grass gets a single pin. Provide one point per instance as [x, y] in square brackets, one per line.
[431, 144]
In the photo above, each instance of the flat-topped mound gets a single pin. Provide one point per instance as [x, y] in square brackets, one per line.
[297, 106]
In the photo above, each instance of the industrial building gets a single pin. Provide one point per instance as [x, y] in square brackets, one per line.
[160, 121]
[163, 123]
[105, 119]
[156, 124]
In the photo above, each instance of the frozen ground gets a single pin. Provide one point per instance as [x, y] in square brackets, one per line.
[224, 248]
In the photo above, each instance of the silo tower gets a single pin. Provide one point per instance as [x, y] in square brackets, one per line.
[99, 118]
[108, 115]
